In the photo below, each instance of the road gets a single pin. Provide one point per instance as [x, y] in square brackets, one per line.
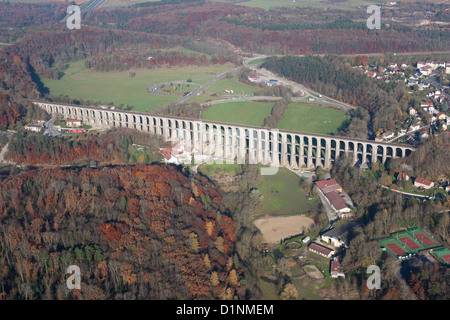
[49, 128]
[199, 89]
[304, 93]
[408, 194]
[155, 89]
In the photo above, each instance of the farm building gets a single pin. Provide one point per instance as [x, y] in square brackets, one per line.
[338, 236]
[320, 249]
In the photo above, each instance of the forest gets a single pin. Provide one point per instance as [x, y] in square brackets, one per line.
[110, 148]
[142, 230]
[137, 232]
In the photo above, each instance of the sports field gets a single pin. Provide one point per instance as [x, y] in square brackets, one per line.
[119, 88]
[305, 117]
[443, 255]
[408, 242]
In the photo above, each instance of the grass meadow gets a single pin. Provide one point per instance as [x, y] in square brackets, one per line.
[305, 117]
[118, 88]
[240, 112]
[283, 196]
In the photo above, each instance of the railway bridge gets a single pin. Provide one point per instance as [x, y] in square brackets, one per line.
[231, 142]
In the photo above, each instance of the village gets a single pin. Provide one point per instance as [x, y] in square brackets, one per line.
[428, 81]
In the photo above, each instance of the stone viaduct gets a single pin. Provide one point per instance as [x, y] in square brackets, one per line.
[280, 148]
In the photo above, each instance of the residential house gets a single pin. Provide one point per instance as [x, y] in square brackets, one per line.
[336, 269]
[252, 77]
[415, 126]
[423, 183]
[73, 123]
[399, 175]
[426, 71]
[34, 127]
[423, 135]
[387, 135]
[412, 111]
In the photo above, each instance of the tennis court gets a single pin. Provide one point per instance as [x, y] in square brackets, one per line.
[446, 258]
[444, 255]
[409, 243]
[422, 237]
[395, 249]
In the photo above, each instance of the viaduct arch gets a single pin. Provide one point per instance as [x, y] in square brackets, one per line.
[227, 141]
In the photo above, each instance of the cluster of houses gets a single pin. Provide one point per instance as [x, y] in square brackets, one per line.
[419, 182]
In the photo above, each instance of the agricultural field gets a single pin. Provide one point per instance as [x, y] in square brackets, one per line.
[240, 112]
[283, 196]
[119, 88]
[312, 118]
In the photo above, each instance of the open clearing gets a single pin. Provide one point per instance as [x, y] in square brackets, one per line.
[276, 228]
[240, 112]
[283, 196]
[118, 88]
[305, 117]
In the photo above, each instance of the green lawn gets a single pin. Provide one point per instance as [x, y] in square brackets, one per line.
[213, 169]
[311, 118]
[118, 88]
[283, 196]
[239, 112]
[256, 61]
[234, 84]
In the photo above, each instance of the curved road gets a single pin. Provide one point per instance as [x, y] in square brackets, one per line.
[194, 93]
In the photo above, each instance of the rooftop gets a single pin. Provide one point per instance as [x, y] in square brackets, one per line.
[341, 231]
[328, 185]
[320, 248]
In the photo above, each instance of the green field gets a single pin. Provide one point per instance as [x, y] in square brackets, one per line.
[256, 61]
[283, 196]
[234, 84]
[311, 118]
[118, 88]
[239, 112]
[214, 169]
